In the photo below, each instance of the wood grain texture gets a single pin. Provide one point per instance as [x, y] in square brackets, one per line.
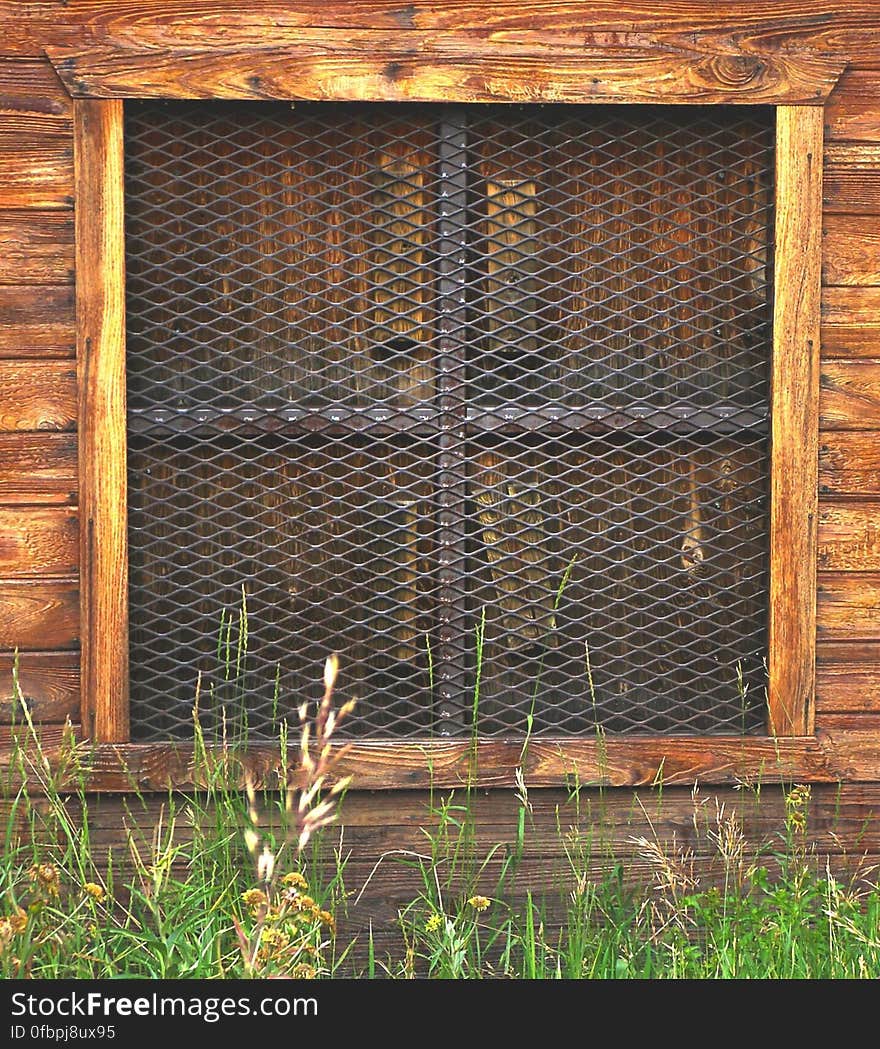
[850, 250]
[38, 541]
[849, 396]
[847, 678]
[849, 464]
[37, 171]
[838, 817]
[849, 537]
[36, 247]
[37, 321]
[851, 322]
[44, 740]
[852, 113]
[48, 683]
[794, 414]
[34, 102]
[38, 469]
[844, 27]
[100, 290]
[411, 65]
[631, 761]
[857, 307]
[844, 754]
[851, 182]
[848, 606]
[37, 395]
[39, 615]
[795, 18]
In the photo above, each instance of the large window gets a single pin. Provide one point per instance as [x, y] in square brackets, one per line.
[476, 396]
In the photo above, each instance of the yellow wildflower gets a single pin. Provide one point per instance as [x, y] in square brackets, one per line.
[326, 918]
[5, 933]
[45, 877]
[434, 923]
[18, 921]
[270, 937]
[479, 903]
[295, 880]
[254, 898]
[95, 891]
[303, 972]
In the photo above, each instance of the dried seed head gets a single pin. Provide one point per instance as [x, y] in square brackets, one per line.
[266, 865]
[331, 670]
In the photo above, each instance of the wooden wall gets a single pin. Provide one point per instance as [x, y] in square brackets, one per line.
[848, 615]
[39, 546]
[38, 469]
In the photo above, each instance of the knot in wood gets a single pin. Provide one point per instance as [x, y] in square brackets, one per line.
[734, 70]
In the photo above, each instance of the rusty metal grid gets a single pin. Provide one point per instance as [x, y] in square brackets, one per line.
[475, 396]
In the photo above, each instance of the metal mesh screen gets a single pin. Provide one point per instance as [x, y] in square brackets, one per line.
[475, 396]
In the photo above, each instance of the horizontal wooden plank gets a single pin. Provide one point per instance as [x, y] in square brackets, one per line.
[848, 722]
[846, 29]
[682, 16]
[850, 341]
[849, 464]
[39, 615]
[851, 178]
[374, 824]
[52, 739]
[37, 171]
[850, 250]
[523, 64]
[848, 606]
[849, 28]
[852, 113]
[37, 321]
[37, 395]
[851, 322]
[38, 541]
[849, 537]
[48, 683]
[849, 755]
[33, 101]
[850, 307]
[38, 469]
[849, 395]
[828, 652]
[848, 678]
[36, 247]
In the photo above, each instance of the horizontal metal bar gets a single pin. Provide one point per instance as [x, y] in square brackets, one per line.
[640, 419]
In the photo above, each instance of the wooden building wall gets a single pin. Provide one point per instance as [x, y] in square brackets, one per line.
[38, 468]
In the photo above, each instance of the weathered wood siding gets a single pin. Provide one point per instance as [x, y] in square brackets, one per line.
[848, 626]
[806, 41]
[39, 599]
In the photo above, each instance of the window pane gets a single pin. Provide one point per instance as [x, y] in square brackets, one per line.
[402, 375]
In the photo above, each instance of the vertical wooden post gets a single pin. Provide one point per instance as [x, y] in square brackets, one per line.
[794, 404]
[100, 348]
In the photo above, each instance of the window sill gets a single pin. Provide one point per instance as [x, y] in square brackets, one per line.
[850, 754]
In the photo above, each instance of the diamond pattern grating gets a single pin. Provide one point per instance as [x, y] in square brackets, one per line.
[475, 396]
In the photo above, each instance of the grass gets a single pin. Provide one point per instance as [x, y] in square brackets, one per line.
[225, 882]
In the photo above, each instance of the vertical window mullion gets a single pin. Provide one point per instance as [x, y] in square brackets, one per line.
[450, 657]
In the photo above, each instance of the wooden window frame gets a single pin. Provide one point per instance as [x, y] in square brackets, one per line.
[789, 750]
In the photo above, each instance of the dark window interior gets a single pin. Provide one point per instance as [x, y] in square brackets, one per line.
[475, 396]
